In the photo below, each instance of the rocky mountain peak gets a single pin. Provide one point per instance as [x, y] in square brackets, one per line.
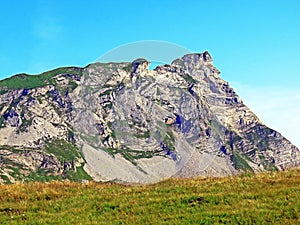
[122, 122]
[198, 58]
[197, 65]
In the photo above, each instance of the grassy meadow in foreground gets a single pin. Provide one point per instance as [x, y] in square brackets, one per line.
[268, 198]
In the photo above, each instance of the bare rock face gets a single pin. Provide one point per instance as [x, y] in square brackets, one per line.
[122, 122]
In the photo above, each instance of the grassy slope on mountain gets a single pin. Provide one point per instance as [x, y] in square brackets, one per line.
[267, 198]
[21, 81]
[21, 171]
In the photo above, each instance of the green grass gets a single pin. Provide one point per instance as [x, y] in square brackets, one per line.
[63, 150]
[239, 162]
[218, 128]
[25, 124]
[132, 155]
[66, 153]
[1, 121]
[20, 81]
[268, 198]
[128, 68]
[189, 78]
[146, 134]
[267, 165]
[13, 167]
[41, 176]
[77, 176]
[107, 92]
[5, 178]
[169, 140]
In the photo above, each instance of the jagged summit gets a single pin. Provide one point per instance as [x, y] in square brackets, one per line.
[188, 59]
[198, 57]
[122, 122]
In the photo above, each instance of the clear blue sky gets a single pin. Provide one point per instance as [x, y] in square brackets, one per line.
[255, 44]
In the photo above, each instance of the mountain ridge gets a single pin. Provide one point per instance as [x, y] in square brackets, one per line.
[122, 122]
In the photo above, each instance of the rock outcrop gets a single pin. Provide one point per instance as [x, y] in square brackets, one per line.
[122, 122]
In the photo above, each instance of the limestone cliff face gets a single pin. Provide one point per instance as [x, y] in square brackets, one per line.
[122, 122]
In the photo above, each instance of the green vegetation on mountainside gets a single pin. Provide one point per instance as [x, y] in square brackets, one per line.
[20, 81]
[64, 151]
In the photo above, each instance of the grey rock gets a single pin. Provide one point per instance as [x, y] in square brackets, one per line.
[135, 125]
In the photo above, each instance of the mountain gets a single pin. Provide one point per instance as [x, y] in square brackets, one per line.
[122, 122]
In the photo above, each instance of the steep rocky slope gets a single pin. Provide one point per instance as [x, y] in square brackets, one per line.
[122, 122]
